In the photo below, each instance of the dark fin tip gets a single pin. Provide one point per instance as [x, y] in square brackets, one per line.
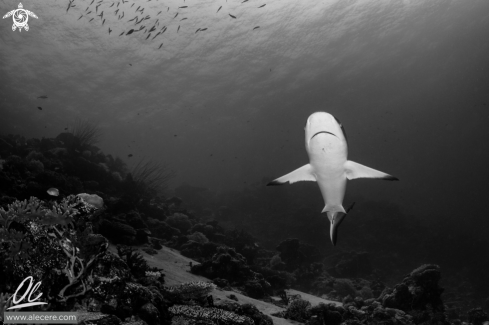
[275, 183]
[390, 178]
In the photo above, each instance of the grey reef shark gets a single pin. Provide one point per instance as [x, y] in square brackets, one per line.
[327, 148]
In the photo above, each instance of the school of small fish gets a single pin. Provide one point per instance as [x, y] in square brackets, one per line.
[145, 23]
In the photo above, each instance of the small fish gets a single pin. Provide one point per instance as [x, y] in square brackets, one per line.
[130, 32]
[203, 29]
[183, 7]
[160, 46]
[43, 97]
[53, 191]
[112, 5]
[244, 1]
[232, 16]
[183, 19]
[256, 27]
[262, 6]
[121, 34]
[152, 29]
[110, 30]
[130, 64]
[148, 36]
[129, 155]
[138, 8]
[116, 12]
[175, 16]
[103, 22]
[178, 28]
[80, 17]
[131, 5]
[39, 108]
[91, 2]
[122, 15]
[88, 13]
[197, 31]
[218, 9]
[168, 9]
[91, 19]
[133, 18]
[66, 129]
[158, 13]
[156, 35]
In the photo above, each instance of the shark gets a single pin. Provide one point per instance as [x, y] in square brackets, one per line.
[327, 148]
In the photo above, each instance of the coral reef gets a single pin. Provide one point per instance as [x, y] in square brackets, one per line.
[210, 314]
[191, 291]
[63, 241]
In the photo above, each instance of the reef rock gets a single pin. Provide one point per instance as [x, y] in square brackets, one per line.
[419, 295]
[92, 199]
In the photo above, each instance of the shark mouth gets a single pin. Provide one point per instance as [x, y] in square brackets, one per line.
[322, 132]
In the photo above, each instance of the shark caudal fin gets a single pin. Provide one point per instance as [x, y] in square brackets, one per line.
[336, 218]
[355, 170]
[301, 174]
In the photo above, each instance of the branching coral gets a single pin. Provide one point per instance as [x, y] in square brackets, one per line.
[210, 314]
[134, 260]
[39, 247]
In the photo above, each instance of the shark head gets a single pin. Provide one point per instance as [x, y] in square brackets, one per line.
[323, 123]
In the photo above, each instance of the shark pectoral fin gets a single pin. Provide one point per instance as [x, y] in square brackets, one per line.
[301, 174]
[355, 170]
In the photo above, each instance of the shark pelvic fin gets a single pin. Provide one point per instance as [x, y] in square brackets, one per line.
[355, 170]
[333, 209]
[336, 218]
[301, 174]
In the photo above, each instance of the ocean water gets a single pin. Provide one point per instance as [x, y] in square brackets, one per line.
[225, 107]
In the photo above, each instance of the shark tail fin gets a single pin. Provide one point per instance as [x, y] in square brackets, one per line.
[355, 170]
[336, 218]
[303, 173]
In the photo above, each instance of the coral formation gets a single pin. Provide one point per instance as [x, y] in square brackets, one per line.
[213, 314]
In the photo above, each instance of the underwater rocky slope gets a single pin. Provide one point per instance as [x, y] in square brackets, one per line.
[65, 242]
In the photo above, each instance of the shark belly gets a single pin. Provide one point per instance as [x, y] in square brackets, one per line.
[327, 156]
